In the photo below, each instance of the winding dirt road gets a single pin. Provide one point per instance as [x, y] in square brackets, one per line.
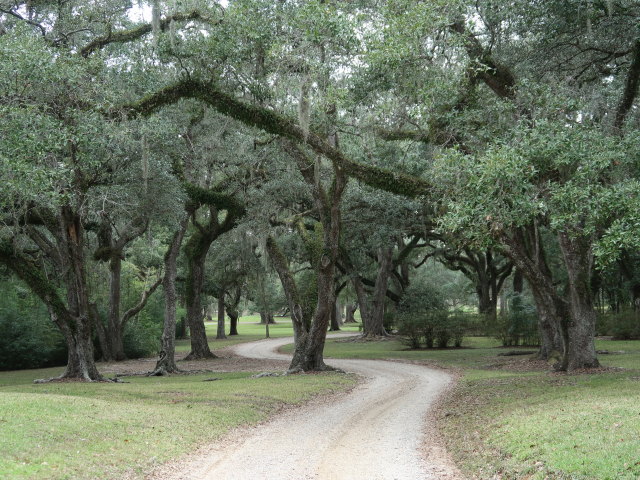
[376, 432]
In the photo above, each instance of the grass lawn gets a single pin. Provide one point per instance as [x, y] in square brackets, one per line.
[249, 329]
[509, 419]
[106, 430]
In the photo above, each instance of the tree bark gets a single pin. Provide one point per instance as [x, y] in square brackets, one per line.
[525, 248]
[114, 327]
[166, 362]
[375, 324]
[363, 301]
[335, 313]
[578, 259]
[195, 319]
[233, 322]
[232, 311]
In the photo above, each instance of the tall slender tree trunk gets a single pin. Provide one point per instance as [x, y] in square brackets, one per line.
[220, 334]
[114, 327]
[167, 362]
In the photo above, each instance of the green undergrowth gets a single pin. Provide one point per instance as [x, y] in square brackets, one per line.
[106, 430]
[511, 418]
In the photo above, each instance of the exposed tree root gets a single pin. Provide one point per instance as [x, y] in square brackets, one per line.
[193, 356]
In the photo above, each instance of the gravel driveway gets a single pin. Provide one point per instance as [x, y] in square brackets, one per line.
[377, 431]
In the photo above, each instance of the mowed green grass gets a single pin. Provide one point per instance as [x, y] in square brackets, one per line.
[107, 430]
[504, 420]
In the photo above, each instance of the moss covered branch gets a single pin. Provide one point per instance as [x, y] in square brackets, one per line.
[215, 198]
[495, 75]
[277, 124]
[124, 36]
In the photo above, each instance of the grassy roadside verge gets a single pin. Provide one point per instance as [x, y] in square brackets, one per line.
[510, 418]
[109, 430]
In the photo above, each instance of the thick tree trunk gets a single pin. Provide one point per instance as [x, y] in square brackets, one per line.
[73, 318]
[363, 301]
[350, 310]
[195, 281]
[101, 332]
[375, 326]
[578, 259]
[518, 281]
[77, 327]
[525, 248]
[232, 311]
[310, 351]
[551, 314]
[80, 361]
[220, 334]
[233, 322]
[486, 304]
[308, 354]
[300, 312]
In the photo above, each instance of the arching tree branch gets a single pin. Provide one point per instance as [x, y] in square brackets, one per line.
[277, 124]
[124, 36]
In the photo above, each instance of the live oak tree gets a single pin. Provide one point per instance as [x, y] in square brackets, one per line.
[487, 43]
[472, 83]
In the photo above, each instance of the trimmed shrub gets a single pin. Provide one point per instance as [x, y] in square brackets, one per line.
[519, 326]
[621, 326]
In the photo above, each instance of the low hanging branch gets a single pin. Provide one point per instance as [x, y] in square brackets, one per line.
[495, 75]
[124, 36]
[277, 124]
[141, 304]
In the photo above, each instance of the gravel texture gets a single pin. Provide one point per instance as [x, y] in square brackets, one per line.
[380, 430]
